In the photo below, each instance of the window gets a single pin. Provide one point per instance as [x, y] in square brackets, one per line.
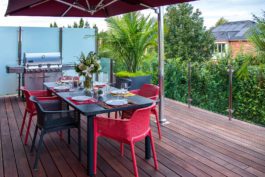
[220, 48]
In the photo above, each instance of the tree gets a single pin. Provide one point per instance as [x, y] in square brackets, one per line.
[81, 23]
[186, 36]
[87, 25]
[129, 39]
[257, 38]
[54, 25]
[221, 21]
[75, 25]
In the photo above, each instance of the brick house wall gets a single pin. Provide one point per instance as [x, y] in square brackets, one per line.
[237, 47]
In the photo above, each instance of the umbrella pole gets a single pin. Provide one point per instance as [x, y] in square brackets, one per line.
[160, 16]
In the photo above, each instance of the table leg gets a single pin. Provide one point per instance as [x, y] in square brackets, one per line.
[147, 147]
[90, 145]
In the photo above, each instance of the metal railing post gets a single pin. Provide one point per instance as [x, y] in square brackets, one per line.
[96, 47]
[111, 71]
[61, 41]
[230, 98]
[189, 85]
[19, 58]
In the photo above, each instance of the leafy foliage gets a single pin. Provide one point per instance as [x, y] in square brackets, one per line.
[129, 74]
[257, 38]
[186, 37]
[80, 24]
[88, 64]
[209, 88]
[129, 39]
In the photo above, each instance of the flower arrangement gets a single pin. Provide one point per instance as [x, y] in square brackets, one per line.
[87, 66]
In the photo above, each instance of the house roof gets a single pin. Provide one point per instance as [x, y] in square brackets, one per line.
[233, 31]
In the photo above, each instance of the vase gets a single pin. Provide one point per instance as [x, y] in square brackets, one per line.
[88, 86]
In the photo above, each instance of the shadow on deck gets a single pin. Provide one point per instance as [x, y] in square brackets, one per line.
[195, 143]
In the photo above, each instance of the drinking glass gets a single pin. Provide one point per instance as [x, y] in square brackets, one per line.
[124, 86]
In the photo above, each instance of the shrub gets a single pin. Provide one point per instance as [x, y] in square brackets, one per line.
[130, 74]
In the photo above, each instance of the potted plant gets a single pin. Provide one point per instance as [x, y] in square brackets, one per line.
[129, 41]
[87, 66]
[135, 80]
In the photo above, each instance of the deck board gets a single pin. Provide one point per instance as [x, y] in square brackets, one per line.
[195, 143]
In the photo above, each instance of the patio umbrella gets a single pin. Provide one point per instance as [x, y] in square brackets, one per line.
[97, 8]
[81, 8]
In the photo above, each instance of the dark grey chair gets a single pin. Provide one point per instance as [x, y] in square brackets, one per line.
[52, 118]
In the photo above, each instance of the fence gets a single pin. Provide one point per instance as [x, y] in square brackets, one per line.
[217, 87]
[15, 41]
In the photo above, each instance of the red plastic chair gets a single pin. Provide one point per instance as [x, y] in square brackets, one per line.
[127, 131]
[30, 108]
[149, 91]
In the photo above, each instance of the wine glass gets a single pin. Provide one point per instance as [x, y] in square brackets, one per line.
[124, 87]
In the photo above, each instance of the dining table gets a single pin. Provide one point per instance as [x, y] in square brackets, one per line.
[96, 107]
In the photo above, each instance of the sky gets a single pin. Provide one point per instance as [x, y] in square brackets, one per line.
[212, 10]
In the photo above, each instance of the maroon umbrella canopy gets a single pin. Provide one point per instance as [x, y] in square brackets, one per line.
[81, 8]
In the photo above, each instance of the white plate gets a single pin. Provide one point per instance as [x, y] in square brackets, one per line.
[117, 102]
[99, 83]
[81, 98]
[61, 88]
[66, 81]
[118, 92]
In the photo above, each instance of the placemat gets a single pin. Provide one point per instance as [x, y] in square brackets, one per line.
[90, 101]
[106, 106]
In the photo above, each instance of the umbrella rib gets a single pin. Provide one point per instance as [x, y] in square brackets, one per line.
[99, 4]
[88, 5]
[74, 6]
[42, 2]
[67, 10]
[102, 7]
[147, 6]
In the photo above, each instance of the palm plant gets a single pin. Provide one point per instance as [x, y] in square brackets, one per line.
[257, 38]
[129, 39]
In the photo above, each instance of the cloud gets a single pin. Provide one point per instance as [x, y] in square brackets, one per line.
[232, 10]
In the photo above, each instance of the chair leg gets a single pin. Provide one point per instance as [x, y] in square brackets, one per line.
[23, 122]
[122, 149]
[157, 123]
[153, 150]
[79, 143]
[34, 139]
[69, 136]
[27, 133]
[134, 160]
[95, 153]
[38, 150]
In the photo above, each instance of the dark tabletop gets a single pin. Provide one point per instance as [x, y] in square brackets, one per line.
[135, 101]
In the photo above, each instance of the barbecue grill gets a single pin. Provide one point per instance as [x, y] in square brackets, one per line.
[38, 68]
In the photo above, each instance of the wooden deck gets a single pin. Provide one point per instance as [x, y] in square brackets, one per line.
[195, 143]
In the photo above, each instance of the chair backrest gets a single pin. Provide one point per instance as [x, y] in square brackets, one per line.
[139, 123]
[44, 108]
[40, 110]
[29, 104]
[149, 91]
